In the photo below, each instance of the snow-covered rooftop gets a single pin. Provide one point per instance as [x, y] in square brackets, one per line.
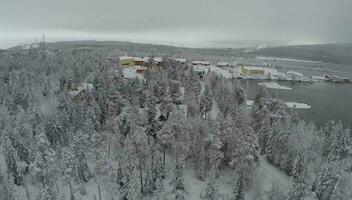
[223, 63]
[181, 60]
[294, 73]
[201, 62]
[158, 59]
[142, 59]
[126, 57]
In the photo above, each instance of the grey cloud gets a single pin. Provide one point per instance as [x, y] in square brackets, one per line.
[257, 20]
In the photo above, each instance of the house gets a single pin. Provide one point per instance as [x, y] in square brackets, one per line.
[141, 61]
[127, 61]
[252, 71]
[201, 63]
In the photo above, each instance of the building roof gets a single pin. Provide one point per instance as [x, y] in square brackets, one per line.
[141, 59]
[223, 63]
[181, 60]
[126, 57]
[158, 59]
[294, 73]
[201, 62]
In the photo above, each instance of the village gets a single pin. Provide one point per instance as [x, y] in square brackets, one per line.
[137, 66]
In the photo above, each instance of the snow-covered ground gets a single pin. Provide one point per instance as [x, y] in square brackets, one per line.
[131, 72]
[285, 59]
[274, 85]
[295, 105]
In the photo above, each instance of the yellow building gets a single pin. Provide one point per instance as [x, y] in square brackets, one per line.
[126, 61]
[252, 71]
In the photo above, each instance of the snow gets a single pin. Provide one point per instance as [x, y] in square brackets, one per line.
[285, 59]
[222, 63]
[201, 63]
[294, 73]
[181, 60]
[131, 73]
[126, 57]
[274, 85]
[82, 86]
[141, 59]
[158, 59]
[288, 104]
[221, 71]
[266, 176]
[298, 105]
[319, 78]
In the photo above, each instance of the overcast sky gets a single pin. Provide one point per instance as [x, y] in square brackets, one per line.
[179, 22]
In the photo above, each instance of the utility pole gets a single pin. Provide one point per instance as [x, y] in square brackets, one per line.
[43, 42]
[43, 46]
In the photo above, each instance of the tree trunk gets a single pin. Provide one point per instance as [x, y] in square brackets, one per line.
[99, 192]
[141, 174]
[164, 155]
[27, 191]
[57, 187]
[109, 150]
[71, 192]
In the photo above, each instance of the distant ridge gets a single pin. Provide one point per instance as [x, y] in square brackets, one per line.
[330, 53]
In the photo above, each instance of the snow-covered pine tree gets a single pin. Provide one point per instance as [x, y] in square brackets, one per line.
[175, 92]
[44, 167]
[10, 159]
[151, 116]
[240, 96]
[259, 109]
[159, 192]
[134, 188]
[206, 102]
[177, 182]
[238, 188]
[211, 191]
[148, 184]
[326, 183]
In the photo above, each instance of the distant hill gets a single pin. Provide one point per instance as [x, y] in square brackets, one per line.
[330, 53]
[137, 48]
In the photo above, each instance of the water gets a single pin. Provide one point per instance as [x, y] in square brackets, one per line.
[329, 101]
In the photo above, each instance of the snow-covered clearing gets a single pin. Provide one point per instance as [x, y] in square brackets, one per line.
[266, 176]
[274, 85]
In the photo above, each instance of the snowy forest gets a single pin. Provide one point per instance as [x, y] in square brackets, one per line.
[128, 139]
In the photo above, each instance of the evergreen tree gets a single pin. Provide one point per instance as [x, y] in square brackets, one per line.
[176, 184]
[206, 102]
[159, 193]
[133, 188]
[211, 191]
[326, 183]
[11, 163]
[149, 184]
[238, 189]
[44, 167]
